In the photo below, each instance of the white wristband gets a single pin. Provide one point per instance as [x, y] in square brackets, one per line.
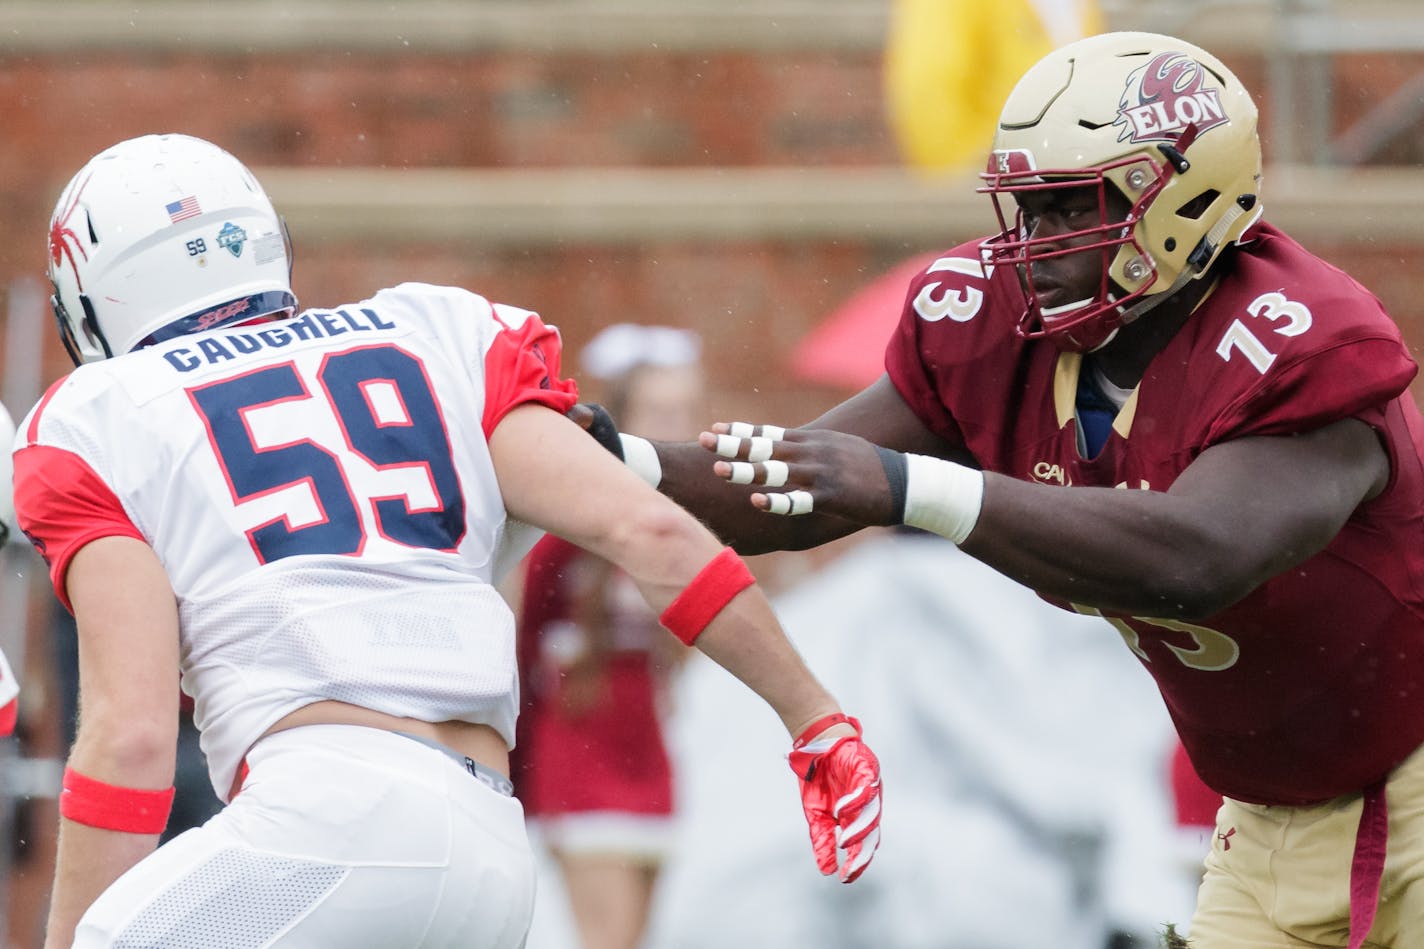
[642, 458]
[942, 496]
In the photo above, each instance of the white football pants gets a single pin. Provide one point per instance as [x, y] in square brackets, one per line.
[342, 836]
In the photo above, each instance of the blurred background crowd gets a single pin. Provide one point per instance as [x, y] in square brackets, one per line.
[756, 180]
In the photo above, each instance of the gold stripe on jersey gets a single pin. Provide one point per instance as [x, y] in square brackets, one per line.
[1122, 424]
[1065, 395]
[1065, 386]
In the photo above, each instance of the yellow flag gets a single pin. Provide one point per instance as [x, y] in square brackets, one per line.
[950, 64]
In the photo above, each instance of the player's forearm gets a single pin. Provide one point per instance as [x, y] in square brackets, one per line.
[746, 640]
[682, 571]
[688, 478]
[89, 860]
[1142, 553]
[118, 780]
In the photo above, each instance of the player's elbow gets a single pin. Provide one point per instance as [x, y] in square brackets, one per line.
[656, 531]
[1214, 572]
[127, 745]
[1200, 585]
[1193, 602]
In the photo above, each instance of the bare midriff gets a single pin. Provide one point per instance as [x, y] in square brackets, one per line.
[481, 743]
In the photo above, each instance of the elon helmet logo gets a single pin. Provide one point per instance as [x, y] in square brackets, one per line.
[1164, 97]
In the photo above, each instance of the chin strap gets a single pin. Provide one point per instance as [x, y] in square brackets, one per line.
[1145, 305]
[1196, 263]
[1205, 251]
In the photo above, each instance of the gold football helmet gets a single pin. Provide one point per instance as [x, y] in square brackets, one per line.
[1164, 123]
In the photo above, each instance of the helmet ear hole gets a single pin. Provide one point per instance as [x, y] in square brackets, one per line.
[1197, 206]
[90, 326]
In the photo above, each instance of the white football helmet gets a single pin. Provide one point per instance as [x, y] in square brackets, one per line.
[7, 477]
[159, 236]
[1164, 123]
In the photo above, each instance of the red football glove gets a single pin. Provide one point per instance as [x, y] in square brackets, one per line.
[840, 792]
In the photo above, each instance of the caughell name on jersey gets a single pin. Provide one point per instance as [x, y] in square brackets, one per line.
[314, 324]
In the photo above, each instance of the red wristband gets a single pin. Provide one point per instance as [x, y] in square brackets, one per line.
[820, 725]
[131, 810]
[713, 588]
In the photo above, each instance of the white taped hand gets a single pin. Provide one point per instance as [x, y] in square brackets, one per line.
[792, 502]
[776, 473]
[748, 430]
[756, 445]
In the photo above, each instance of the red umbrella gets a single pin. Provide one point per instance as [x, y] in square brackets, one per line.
[848, 347]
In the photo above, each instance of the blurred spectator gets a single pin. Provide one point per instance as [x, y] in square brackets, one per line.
[590, 762]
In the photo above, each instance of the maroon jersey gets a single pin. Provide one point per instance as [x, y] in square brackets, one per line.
[1313, 685]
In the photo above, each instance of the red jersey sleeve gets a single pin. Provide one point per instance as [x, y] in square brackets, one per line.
[522, 365]
[62, 504]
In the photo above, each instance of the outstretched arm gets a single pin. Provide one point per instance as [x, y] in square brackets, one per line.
[876, 414]
[554, 476]
[1241, 513]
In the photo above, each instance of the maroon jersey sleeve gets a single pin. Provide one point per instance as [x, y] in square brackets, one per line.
[1320, 346]
[947, 319]
[1354, 375]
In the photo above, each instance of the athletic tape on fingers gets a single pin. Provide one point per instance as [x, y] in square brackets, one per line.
[727, 445]
[744, 472]
[792, 502]
[759, 448]
[748, 430]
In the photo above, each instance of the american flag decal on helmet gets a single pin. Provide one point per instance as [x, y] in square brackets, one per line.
[183, 209]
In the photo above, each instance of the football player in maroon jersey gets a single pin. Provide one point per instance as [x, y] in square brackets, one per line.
[1143, 401]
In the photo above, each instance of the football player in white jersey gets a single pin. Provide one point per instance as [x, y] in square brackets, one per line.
[303, 513]
[9, 688]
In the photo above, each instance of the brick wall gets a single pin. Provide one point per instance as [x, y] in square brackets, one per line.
[512, 109]
[488, 110]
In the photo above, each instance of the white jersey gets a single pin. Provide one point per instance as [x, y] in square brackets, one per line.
[320, 492]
